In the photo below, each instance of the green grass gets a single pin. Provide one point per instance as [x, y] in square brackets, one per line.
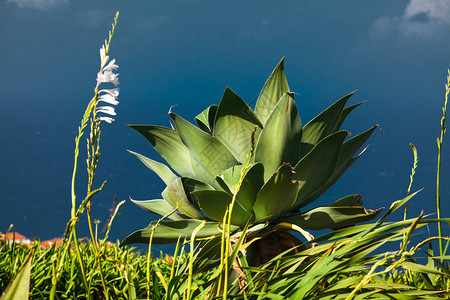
[124, 270]
[343, 264]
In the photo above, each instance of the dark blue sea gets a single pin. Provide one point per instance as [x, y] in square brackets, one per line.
[185, 53]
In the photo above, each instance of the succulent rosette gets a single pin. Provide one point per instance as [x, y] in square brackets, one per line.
[263, 160]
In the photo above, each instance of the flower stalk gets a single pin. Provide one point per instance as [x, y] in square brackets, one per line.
[439, 144]
[95, 115]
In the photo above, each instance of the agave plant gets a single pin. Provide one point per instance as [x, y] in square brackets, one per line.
[263, 161]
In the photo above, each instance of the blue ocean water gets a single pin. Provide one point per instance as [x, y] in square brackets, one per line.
[185, 54]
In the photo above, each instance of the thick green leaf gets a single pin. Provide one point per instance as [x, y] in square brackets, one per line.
[278, 142]
[207, 154]
[168, 144]
[215, 203]
[223, 185]
[323, 125]
[19, 286]
[350, 200]
[277, 195]
[234, 124]
[169, 232]
[229, 178]
[273, 90]
[160, 169]
[159, 207]
[190, 185]
[331, 217]
[176, 196]
[252, 183]
[345, 112]
[315, 169]
[205, 120]
[351, 146]
[345, 160]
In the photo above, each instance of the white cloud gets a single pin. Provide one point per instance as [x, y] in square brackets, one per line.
[37, 4]
[422, 18]
[437, 9]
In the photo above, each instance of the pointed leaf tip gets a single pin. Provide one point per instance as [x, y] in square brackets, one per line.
[159, 207]
[324, 124]
[160, 169]
[274, 88]
[170, 109]
[169, 145]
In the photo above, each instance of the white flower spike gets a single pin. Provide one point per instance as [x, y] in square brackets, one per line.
[106, 110]
[107, 75]
[103, 57]
[110, 96]
[107, 119]
[108, 99]
[112, 92]
[111, 66]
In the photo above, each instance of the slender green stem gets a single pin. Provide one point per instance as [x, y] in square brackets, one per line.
[102, 277]
[56, 268]
[411, 177]
[77, 147]
[80, 259]
[74, 219]
[149, 256]
[54, 281]
[222, 252]
[175, 255]
[227, 251]
[411, 180]
[75, 167]
[112, 219]
[227, 226]
[191, 258]
[439, 144]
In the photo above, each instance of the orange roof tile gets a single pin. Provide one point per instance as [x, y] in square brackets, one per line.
[49, 243]
[15, 236]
